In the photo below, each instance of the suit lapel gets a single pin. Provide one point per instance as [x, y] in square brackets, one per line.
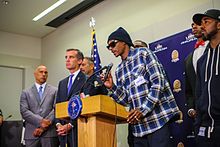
[64, 86]
[75, 84]
[35, 92]
[46, 90]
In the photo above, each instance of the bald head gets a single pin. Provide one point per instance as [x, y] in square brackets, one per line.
[140, 43]
[41, 74]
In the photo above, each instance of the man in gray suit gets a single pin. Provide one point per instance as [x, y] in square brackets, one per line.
[37, 109]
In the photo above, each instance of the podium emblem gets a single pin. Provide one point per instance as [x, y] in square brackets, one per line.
[74, 106]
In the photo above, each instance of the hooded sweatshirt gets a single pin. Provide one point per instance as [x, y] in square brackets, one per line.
[208, 88]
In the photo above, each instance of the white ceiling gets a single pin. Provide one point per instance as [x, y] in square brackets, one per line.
[16, 17]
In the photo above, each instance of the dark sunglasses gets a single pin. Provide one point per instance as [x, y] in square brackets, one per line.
[112, 44]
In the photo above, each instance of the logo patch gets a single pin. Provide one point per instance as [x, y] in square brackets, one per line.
[74, 107]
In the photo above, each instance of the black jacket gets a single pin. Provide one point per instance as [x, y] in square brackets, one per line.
[94, 86]
[190, 82]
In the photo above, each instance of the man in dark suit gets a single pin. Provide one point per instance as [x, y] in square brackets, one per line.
[37, 109]
[68, 87]
[93, 85]
[190, 69]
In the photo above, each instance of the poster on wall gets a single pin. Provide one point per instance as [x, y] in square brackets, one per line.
[171, 52]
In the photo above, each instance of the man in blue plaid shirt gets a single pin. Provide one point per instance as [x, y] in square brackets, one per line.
[142, 85]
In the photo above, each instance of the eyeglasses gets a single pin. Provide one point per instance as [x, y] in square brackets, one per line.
[112, 44]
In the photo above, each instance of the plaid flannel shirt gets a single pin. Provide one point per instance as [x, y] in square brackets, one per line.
[142, 84]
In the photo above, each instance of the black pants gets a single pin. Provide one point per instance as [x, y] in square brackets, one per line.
[130, 137]
[159, 138]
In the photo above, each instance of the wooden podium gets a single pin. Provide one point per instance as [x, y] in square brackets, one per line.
[97, 122]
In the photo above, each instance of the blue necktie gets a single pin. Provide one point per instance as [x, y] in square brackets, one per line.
[70, 83]
[40, 92]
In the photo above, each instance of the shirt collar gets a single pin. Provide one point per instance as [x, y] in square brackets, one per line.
[75, 73]
[38, 86]
[199, 43]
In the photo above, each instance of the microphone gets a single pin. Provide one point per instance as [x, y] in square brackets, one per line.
[8, 117]
[109, 67]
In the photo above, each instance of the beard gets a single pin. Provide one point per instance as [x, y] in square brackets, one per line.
[210, 35]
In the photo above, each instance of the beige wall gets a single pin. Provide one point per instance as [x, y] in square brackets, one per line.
[20, 45]
[20, 51]
[28, 64]
[16, 52]
[144, 19]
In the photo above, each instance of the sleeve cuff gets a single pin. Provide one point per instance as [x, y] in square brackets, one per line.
[112, 90]
[143, 111]
[114, 87]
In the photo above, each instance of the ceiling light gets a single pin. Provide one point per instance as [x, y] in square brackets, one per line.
[5, 2]
[48, 10]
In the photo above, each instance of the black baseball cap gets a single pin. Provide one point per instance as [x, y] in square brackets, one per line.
[213, 13]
